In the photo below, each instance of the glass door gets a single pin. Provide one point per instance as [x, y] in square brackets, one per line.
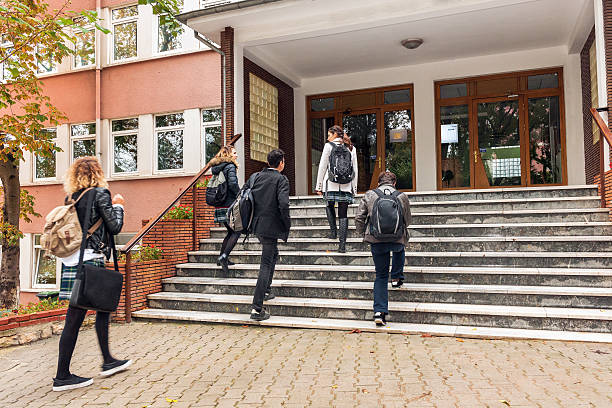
[398, 146]
[497, 149]
[362, 127]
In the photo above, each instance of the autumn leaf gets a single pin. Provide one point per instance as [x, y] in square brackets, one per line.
[504, 402]
[357, 331]
[460, 340]
[426, 335]
[334, 386]
[171, 400]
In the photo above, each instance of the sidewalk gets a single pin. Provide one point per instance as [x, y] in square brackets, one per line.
[192, 365]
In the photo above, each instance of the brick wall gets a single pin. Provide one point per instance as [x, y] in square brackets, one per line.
[591, 151]
[227, 46]
[285, 122]
[608, 186]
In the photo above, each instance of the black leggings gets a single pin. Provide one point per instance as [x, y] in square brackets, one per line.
[74, 320]
[342, 208]
[230, 240]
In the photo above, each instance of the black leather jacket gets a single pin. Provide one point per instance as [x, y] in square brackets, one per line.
[102, 207]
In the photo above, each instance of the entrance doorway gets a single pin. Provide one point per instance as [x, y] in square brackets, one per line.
[501, 131]
[380, 124]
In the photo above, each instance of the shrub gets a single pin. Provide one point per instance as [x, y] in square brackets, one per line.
[43, 305]
[179, 212]
[145, 253]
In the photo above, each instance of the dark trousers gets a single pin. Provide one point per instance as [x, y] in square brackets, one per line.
[269, 256]
[342, 208]
[230, 240]
[381, 254]
[74, 320]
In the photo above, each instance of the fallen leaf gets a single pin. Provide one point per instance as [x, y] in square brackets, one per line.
[237, 309]
[461, 340]
[245, 325]
[171, 400]
[426, 335]
[425, 394]
[504, 402]
[365, 391]
[474, 329]
[371, 351]
[600, 352]
[334, 386]
[355, 331]
[104, 388]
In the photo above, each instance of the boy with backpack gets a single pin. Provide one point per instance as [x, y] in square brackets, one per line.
[383, 218]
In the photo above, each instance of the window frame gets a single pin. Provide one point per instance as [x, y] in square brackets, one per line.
[155, 25]
[4, 44]
[205, 125]
[54, 178]
[112, 147]
[77, 32]
[54, 69]
[36, 249]
[88, 137]
[121, 21]
[156, 131]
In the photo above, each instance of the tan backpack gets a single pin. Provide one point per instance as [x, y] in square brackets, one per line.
[63, 234]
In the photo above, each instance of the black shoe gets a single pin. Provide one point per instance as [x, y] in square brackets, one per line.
[115, 367]
[397, 283]
[331, 219]
[259, 316]
[230, 263]
[71, 383]
[379, 319]
[342, 232]
[223, 262]
[269, 296]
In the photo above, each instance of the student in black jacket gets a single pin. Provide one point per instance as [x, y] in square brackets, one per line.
[226, 161]
[271, 221]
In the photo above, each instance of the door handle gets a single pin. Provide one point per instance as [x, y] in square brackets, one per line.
[475, 156]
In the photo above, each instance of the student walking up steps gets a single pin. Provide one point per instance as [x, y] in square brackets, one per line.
[271, 221]
[337, 181]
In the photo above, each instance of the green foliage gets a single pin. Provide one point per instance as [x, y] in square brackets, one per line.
[42, 306]
[179, 212]
[145, 253]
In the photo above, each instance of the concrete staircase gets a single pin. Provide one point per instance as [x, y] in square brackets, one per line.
[504, 263]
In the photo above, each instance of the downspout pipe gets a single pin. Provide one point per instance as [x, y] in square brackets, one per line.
[210, 44]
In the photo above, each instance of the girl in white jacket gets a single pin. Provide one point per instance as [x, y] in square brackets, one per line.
[334, 192]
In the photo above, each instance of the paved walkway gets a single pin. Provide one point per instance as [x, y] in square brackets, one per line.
[178, 365]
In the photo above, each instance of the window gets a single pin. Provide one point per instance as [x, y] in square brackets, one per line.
[169, 137]
[44, 61]
[44, 166]
[46, 267]
[211, 133]
[125, 33]
[83, 138]
[169, 34]
[85, 45]
[6, 48]
[125, 145]
[263, 98]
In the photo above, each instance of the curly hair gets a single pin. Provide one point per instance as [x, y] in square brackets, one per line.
[85, 172]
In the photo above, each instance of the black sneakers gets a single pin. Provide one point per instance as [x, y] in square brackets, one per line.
[259, 316]
[114, 367]
[269, 296]
[380, 319]
[397, 283]
[71, 383]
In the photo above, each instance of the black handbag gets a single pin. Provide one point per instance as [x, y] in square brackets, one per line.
[96, 288]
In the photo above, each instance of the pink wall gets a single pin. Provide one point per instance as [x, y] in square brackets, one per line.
[144, 198]
[73, 94]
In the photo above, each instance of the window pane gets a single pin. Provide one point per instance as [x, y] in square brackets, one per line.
[82, 148]
[45, 63]
[125, 12]
[174, 119]
[455, 146]
[46, 268]
[170, 150]
[169, 35]
[125, 124]
[398, 147]
[322, 104]
[362, 129]
[212, 138]
[45, 167]
[126, 153]
[85, 49]
[318, 138]
[545, 140]
[84, 129]
[211, 115]
[399, 96]
[125, 41]
[543, 81]
[453, 91]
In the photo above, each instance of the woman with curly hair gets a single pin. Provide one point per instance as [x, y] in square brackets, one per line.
[84, 179]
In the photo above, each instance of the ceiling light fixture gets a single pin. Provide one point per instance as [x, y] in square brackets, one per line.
[412, 43]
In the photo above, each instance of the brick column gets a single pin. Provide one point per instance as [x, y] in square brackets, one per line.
[227, 46]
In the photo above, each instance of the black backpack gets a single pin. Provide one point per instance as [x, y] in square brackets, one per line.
[340, 164]
[240, 213]
[216, 190]
[387, 218]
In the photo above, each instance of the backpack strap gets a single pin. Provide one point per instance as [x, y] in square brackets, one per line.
[378, 192]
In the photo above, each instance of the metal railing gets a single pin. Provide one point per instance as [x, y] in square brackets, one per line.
[606, 138]
[127, 248]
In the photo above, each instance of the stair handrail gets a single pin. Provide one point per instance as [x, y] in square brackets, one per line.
[607, 137]
[127, 248]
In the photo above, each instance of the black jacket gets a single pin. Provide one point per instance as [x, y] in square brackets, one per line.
[271, 198]
[228, 167]
[102, 207]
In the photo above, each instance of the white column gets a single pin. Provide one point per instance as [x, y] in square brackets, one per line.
[146, 145]
[239, 108]
[192, 141]
[62, 159]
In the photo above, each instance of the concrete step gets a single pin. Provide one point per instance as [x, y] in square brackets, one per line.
[367, 326]
[484, 194]
[465, 230]
[484, 217]
[458, 275]
[473, 205]
[439, 244]
[540, 318]
[553, 296]
[515, 259]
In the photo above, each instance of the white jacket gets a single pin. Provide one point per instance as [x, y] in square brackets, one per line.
[323, 182]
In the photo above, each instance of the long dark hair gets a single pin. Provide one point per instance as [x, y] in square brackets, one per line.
[337, 131]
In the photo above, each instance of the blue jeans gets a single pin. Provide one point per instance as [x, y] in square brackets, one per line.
[381, 254]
